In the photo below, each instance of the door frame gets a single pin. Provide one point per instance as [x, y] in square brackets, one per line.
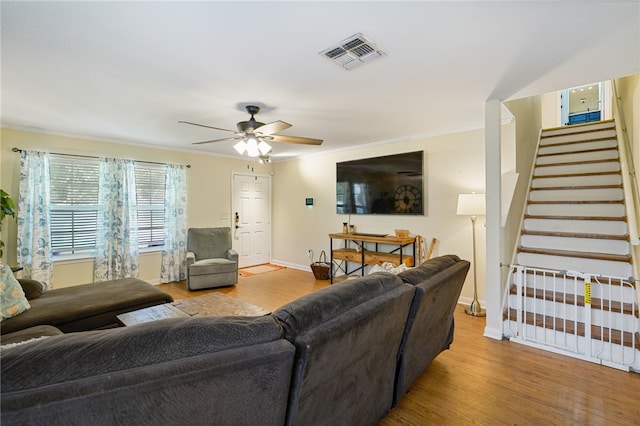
[234, 193]
[604, 93]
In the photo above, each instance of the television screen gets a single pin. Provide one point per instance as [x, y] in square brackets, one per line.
[391, 184]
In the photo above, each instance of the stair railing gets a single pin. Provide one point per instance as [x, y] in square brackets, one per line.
[629, 183]
[553, 310]
[629, 178]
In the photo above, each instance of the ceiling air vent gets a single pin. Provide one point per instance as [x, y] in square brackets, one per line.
[353, 52]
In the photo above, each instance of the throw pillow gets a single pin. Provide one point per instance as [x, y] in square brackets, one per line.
[12, 298]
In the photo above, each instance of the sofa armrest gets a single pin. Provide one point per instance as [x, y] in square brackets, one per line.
[232, 255]
[32, 288]
[190, 259]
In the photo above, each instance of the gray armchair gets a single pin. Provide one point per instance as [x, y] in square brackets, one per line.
[210, 260]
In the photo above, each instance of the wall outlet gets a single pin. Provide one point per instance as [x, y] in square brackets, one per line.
[310, 254]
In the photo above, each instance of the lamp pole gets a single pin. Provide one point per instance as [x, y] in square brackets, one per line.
[474, 308]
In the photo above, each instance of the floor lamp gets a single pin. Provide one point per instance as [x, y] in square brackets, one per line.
[473, 205]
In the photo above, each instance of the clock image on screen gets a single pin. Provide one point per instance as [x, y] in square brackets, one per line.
[408, 199]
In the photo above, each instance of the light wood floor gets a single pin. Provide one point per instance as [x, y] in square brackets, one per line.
[479, 380]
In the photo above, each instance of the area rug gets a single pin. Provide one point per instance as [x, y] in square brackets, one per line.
[259, 269]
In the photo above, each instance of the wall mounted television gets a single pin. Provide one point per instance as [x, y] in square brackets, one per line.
[391, 184]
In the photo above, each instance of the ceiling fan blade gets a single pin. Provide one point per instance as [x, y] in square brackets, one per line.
[271, 128]
[208, 127]
[295, 139]
[219, 140]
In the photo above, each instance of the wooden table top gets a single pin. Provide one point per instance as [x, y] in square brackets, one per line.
[371, 238]
[211, 304]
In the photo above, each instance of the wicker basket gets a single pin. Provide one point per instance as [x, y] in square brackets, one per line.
[402, 233]
[321, 267]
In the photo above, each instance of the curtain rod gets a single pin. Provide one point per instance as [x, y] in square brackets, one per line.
[14, 149]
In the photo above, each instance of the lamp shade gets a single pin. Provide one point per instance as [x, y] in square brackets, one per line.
[471, 205]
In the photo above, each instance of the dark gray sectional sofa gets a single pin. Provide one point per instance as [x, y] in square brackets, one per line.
[343, 355]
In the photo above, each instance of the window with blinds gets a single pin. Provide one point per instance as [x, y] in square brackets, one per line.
[74, 204]
[150, 182]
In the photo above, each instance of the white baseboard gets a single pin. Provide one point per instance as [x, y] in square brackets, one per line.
[467, 301]
[306, 268]
[493, 333]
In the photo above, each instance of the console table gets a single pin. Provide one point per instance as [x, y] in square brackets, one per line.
[364, 249]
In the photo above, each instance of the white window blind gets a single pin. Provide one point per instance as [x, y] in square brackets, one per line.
[74, 204]
[150, 182]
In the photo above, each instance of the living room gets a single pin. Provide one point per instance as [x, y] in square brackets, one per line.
[455, 156]
[461, 156]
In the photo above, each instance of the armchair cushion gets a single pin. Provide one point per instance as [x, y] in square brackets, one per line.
[212, 266]
[208, 243]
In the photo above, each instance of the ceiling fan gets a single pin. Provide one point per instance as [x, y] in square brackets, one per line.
[252, 135]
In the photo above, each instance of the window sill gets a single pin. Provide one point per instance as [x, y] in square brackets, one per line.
[84, 257]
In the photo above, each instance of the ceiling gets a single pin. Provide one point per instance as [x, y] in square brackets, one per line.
[129, 71]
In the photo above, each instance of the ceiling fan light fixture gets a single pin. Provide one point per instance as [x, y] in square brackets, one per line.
[264, 147]
[240, 147]
[252, 135]
[252, 147]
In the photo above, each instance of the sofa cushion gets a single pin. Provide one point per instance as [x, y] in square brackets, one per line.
[88, 306]
[75, 356]
[325, 304]
[347, 339]
[32, 288]
[430, 325]
[212, 266]
[13, 300]
[428, 268]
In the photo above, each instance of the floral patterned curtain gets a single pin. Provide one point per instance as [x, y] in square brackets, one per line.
[34, 234]
[116, 235]
[175, 225]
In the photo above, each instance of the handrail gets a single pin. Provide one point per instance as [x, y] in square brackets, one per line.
[629, 182]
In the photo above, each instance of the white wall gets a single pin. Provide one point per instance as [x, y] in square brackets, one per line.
[453, 164]
[551, 110]
[528, 114]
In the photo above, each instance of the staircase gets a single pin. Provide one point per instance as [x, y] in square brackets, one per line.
[570, 288]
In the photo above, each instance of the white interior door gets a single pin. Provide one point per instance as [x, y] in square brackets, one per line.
[251, 211]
